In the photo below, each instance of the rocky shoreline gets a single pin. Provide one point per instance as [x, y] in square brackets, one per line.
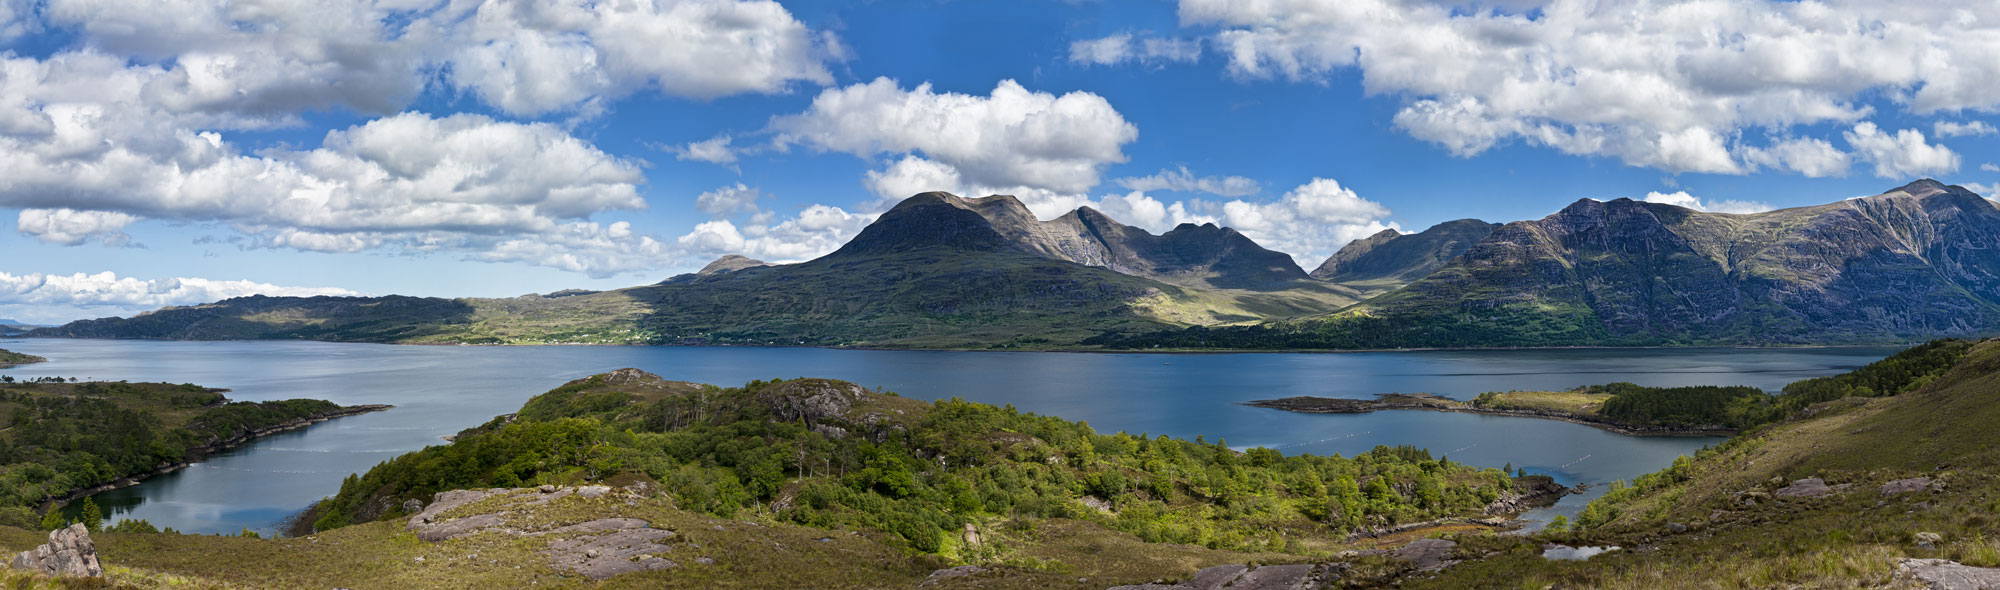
[1438, 403]
[196, 454]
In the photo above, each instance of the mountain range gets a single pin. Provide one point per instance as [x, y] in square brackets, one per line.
[941, 271]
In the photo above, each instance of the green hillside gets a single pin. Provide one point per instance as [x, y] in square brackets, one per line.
[59, 437]
[1835, 496]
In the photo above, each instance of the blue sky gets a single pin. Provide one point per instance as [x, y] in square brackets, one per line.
[496, 148]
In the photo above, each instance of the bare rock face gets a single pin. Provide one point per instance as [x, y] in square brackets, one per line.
[1805, 488]
[1303, 576]
[1427, 554]
[1939, 574]
[811, 400]
[431, 526]
[1904, 486]
[940, 576]
[69, 553]
[621, 552]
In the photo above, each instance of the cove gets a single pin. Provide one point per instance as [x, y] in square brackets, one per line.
[439, 390]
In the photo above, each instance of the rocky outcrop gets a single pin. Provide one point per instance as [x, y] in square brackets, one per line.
[69, 552]
[1244, 577]
[621, 551]
[1427, 554]
[1914, 484]
[596, 549]
[1529, 492]
[813, 401]
[1940, 574]
[1810, 487]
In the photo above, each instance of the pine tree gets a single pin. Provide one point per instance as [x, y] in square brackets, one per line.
[53, 519]
[91, 516]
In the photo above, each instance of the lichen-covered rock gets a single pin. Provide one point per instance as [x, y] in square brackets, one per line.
[69, 552]
[1805, 488]
[811, 400]
[1427, 554]
[620, 552]
[1939, 574]
[940, 576]
[1904, 486]
[1303, 576]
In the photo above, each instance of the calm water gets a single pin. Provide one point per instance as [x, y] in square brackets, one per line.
[441, 390]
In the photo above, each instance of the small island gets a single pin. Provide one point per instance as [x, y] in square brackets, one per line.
[1623, 408]
[10, 358]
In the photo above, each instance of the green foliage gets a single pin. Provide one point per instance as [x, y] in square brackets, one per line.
[921, 474]
[1705, 405]
[62, 436]
[91, 516]
[130, 526]
[1558, 524]
[53, 520]
[1903, 372]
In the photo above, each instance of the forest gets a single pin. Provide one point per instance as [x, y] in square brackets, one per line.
[921, 470]
[62, 436]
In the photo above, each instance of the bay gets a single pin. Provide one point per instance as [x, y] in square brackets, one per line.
[440, 390]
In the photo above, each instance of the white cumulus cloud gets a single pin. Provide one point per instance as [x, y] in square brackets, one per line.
[1181, 180]
[1812, 157]
[55, 298]
[1124, 47]
[1683, 199]
[1900, 155]
[1666, 85]
[70, 227]
[1963, 129]
[1011, 137]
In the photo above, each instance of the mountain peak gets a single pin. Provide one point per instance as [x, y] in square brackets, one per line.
[729, 263]
[1397, 257]
[931, 198]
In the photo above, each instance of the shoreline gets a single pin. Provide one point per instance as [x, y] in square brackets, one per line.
[197, 454]
[1436, 403]
[1072, 350]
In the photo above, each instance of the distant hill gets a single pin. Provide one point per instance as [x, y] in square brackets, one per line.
[1894, 483]
[14, 327]
[1917, 262]
[939, 271]
[936, 271]
[1392, 259]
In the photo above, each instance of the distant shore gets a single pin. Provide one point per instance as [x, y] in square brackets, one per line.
[196, 454]
[1079, 350]
[1437, 403]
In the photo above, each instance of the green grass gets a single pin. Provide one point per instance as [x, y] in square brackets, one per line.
[1582, 403]
[10, 358]
[1846, 539]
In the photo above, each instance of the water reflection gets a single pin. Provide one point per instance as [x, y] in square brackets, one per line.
[439, 390]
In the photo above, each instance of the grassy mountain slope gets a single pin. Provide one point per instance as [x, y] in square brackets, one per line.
[1391, 259]
[1749, 526]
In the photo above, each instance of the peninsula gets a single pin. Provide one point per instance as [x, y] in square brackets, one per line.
[1575, 407]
